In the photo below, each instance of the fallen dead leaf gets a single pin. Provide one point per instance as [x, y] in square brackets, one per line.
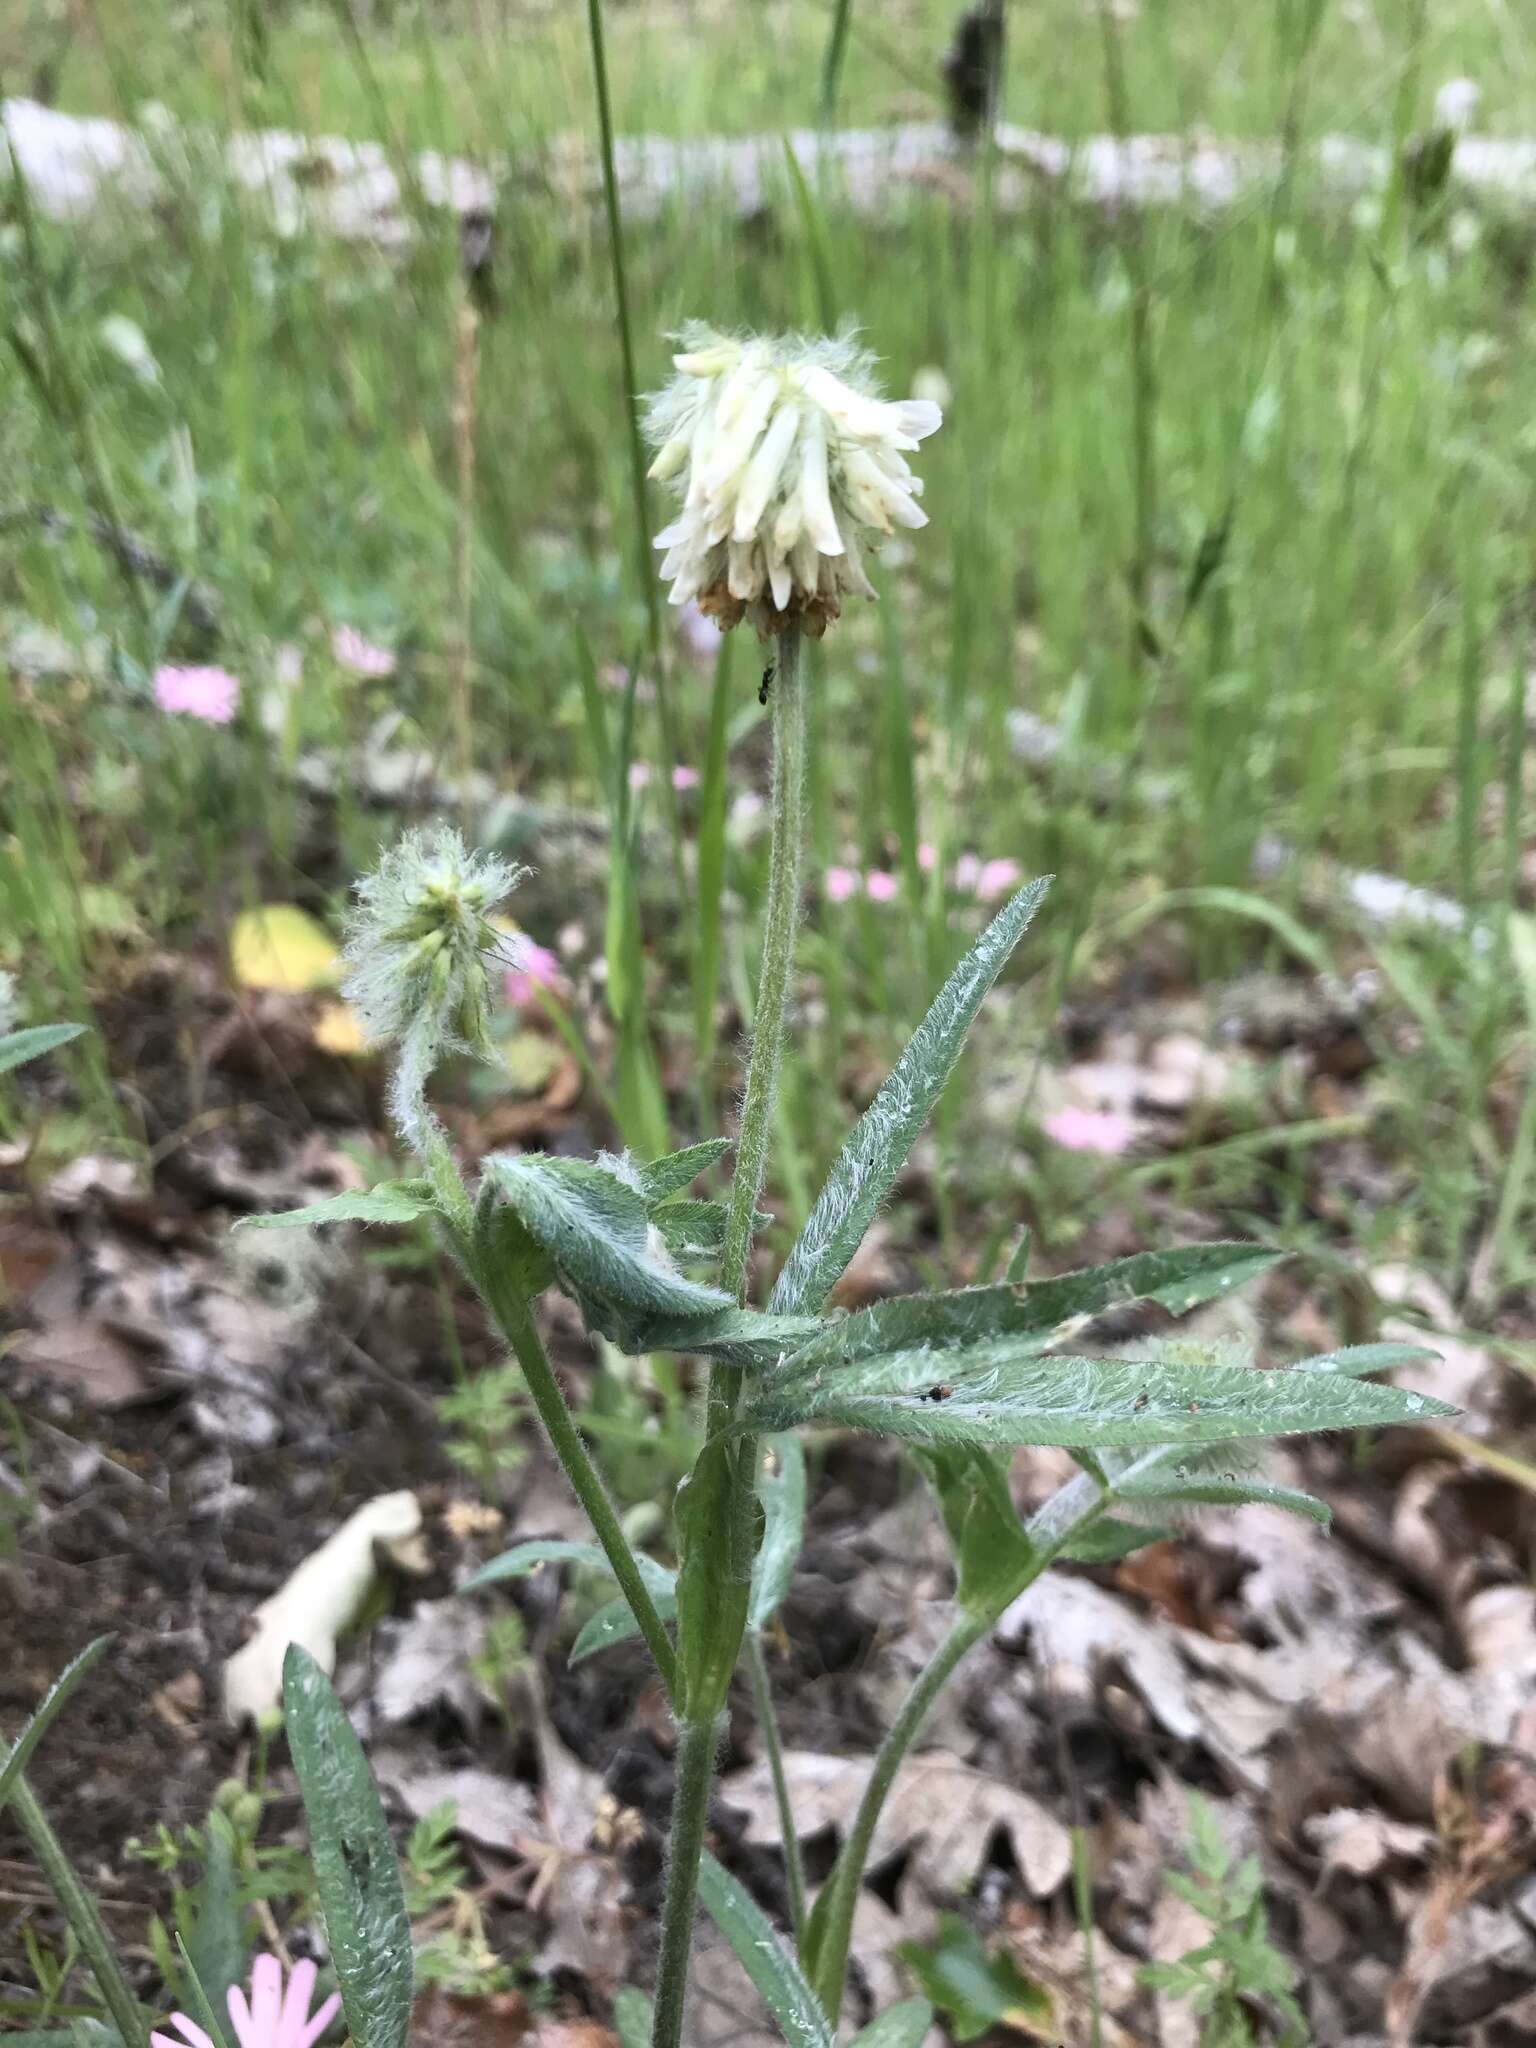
[498, 1813]
[944, 1811]
[80, 1354]
[425, 1662]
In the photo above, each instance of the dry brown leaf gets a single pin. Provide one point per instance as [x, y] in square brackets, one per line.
[498, 1813]
[943, 1810]
[82, 1355]
[424, 1662]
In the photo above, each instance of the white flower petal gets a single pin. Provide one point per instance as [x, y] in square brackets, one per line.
[763, 471]
[814, 496]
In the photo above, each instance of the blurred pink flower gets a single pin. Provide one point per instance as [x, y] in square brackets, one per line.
[271, 2018]
[639, 774]
[927, 857]
[613, 675]
[699, 634]
[685, 778]
[207, 693]
[998, 878]
[880, 887]
[1089, 1130]
[967, 873]
[840, 884]
[360, 655]
[534, 967]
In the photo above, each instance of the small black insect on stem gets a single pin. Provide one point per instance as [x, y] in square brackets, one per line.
[766, 684]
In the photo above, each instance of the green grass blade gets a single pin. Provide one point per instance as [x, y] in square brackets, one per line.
[17, 1047]
[53, 1703]
[881, 1139]
[356, 1873]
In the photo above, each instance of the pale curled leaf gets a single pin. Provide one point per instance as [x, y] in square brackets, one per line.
[993, 1393]
[879, 1142]
[781, 1489]
[356, 1874]
[775, 1974]
[596, 1229]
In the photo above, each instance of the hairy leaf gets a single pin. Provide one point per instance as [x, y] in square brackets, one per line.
[14, 1761]
[523, 1558]
[1177, 1280]
[1107, 1540]
[356, 1874]
[17, 1047]
[899, 2026]
[392, 1201]
[677, 1170]
[781, 1489]
[767, 1960]
[1222, 1490]
[872, 1157]
[736, 1336]
[615, 1623]
[596, 1229]
[999, 1393]
[1353, 1361]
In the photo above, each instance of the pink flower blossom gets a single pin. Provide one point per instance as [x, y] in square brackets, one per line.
[967, 873]
[685, 778]
[639, 774]
[927, 857]
[271, 2019]
[534, 967]
[360, 655]
[998, 878]
[880, 887]
[840, 884]
[207, 693]
[1089, 1130]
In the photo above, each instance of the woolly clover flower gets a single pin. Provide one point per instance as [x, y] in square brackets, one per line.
[789, 465]
[422, 951]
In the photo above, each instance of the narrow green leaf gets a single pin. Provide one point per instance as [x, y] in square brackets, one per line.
[17, 1047]
[1217, 1490]
[596, 1229]
[781, 1489]
[392, 1201]
[615, 1623]
[999, 1394]
[210, 1924]
[51, 1706]
[879, 1142]
[1356, 1360]
[77, 2034]
[198, 2000]
[1107, 1540]
[1177, 1280]
[763, 1954]
[736, 1336]
[524, 1558]
[675, 1171]
[356, 1874]
[899, 2026]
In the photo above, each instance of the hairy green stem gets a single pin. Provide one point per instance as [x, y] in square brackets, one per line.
[515, 1321]
[697, 1745]
[79, 1909]
[773, 1749]
[780, 921]
[716, 1508]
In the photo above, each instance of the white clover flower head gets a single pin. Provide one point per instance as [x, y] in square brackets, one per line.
[789, 465]
[422, 953]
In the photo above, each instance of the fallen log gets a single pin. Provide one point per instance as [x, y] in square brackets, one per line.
[78, 165]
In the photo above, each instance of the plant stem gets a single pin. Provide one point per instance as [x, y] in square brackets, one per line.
[510, 1309]
[832, 61]
[780, 921]
[79, 1909]
[715, 1511]
[773, 1749]
[833, 1919]
[697, 1744]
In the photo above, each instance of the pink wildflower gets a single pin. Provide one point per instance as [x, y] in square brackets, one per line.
[840, 884]
[1089, 1130]
[535, 967]
[927, 857]
[685, 778]
[998, 878]
[880, 887]
[639, 774]
[207, 693]
[360, 655]
[967, 873]
[271, 2019]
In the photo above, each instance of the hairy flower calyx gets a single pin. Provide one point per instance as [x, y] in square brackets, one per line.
[789, 466]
